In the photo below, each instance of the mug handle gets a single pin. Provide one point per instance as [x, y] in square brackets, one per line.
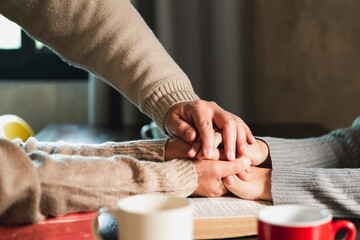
[94, 225]
[144, 131]
[351, 229]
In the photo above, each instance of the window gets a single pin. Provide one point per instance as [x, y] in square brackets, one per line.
[21, 57]
[12, 37]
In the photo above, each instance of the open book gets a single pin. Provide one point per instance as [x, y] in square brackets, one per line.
[225, 217]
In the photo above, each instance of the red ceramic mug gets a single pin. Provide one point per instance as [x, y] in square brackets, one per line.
[298, 222]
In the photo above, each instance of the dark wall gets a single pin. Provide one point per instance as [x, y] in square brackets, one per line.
[304, 61]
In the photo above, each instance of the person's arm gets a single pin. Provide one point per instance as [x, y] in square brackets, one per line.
[151, 150]
[334, 189]
[40, 184]
[323, 172]
[110, 39]
[337, 149]
[51, 179]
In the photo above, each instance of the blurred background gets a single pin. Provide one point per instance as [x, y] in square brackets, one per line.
[270, 62]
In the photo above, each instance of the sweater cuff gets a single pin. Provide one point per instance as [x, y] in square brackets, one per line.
[288, 187]
[175, 177]
[151, 150]
[166, 96]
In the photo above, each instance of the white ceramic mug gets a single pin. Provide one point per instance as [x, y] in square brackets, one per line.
[149, 217]
[151, 131]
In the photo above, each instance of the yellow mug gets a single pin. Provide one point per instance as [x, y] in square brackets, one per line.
[12, 126]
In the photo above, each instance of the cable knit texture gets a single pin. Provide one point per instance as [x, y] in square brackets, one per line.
[322, 171]
[40, 179]
[110, 39]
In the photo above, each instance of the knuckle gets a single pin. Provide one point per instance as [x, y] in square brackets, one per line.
[239, 166]
[181, 127]
[205, 122]
[212, 103]
[230, 122]
[247, 128]
[198, 103]
[202, 103]
[214, 194]
[239, 121]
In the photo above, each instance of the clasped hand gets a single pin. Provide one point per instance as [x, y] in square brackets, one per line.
[251, 174]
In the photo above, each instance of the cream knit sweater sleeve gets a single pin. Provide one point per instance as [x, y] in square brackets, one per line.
[110, 39]
[40, 179]
[324, 171]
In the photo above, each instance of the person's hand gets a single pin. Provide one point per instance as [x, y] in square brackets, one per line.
[257, 188]
[211, 172]
[259, 154]
[187, 120]
[177, 148]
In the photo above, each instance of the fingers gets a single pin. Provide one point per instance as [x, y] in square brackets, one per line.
[249, 136]
[218, 139]
[233, 168]
[229, 180]
[195, 149]
[229, 140]
[182, 129]
[245, 137]
[244, 175]
[236, 134]
[179, 118]
[190, 120]
[241, 140]
[206, 132]
[236, 188]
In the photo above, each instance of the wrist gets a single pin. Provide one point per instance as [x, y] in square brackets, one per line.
[169, 149]
[176, 148]
[266, 194]
[265, 152]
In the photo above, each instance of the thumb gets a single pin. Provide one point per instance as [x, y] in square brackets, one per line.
[235, 167]
[182, 129]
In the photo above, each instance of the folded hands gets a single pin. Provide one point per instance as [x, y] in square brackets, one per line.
[247, 176]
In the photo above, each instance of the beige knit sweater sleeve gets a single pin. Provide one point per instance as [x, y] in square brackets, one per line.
[110, 39]
[40, 179]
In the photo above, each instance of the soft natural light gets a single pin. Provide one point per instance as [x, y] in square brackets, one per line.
[10, 34]
[39, 45]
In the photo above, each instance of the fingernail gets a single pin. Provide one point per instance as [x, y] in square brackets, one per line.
[244, 149]
[253, 139]
[231, 180]
[188, 134]
[231, 155]
[247, 162]
[192, 152]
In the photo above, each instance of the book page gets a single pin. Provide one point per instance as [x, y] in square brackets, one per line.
[226, 207]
